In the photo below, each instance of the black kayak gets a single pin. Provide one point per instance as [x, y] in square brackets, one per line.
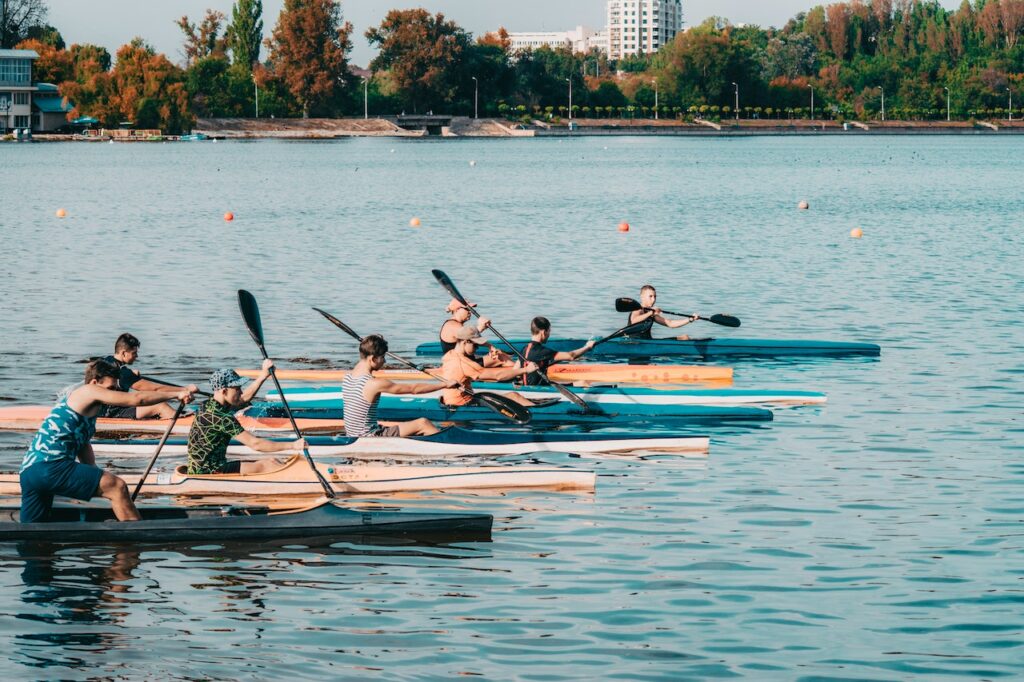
[81, 523]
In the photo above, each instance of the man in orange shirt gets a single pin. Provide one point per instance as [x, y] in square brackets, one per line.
[460, 367]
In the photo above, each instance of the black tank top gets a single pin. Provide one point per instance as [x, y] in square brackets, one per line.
[448, 346]
[645, 331]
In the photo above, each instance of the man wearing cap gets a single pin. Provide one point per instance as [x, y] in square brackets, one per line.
[459, 316]
[460, 366]
[215, 426]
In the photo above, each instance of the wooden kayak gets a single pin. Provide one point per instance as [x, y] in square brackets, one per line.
[91, 523]
[295, 478]
[29, 417]
[567, 373]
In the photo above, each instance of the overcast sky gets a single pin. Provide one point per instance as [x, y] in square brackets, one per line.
[112, 23]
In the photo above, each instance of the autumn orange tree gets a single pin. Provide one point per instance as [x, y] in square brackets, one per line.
[309, 55]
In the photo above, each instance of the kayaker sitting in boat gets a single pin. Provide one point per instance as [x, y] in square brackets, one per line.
[362, 393]
[459, 366]
[459, 316]
[49, 467]
[215, 425]
[651, 314]
[539, 354]
[126, 352]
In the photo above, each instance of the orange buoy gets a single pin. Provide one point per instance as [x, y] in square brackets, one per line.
[623, 227]
[856, 233]
[803, 205]
[415, 222]
[61, 213]
[229, 216]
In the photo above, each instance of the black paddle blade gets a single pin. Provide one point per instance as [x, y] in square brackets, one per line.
[506, 407]
[626, 305]
[339, 324]
[251, 314]
[725, 320]
[446, 281]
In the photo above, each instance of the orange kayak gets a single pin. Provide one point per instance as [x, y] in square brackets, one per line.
[570, 373]
[29, 417]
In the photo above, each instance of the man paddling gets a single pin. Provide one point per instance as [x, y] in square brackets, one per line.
[539, 354]
[460, 314]
[362, 391]
[460, 367]
[126, 352]
[215, 425]
[650, 314]
[49, 467]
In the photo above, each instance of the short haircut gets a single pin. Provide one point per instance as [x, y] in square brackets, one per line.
[373, 346]
[100, 369]
[540, 324]
[126, 342]
[648, 287]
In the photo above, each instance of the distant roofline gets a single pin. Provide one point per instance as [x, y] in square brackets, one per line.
[22, 54]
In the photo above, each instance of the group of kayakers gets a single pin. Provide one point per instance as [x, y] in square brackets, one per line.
[60, 460]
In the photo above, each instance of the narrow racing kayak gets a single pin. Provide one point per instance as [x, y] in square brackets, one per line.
[450, 442]
[295, 478]
[404, 408]
[88, 523]
[698, 348]
[579, 373]
[610, 396]
[29, 417]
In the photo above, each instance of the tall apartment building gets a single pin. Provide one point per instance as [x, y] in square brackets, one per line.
[642, 26]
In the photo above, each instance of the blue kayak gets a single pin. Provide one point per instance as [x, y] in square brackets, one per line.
[699, 348]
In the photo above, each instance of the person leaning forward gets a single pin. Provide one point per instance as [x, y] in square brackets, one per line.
[215, 425]
[49, 467]
[458, 366]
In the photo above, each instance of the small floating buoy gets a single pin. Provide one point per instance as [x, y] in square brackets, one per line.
[472, 163]
[61, 213]
[803, 205]
[623, 227]
[415, 222]
[856, 233]
[392, 151]
[229, 216]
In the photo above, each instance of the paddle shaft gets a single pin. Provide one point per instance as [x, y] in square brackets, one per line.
[165, 383]
[159, 447]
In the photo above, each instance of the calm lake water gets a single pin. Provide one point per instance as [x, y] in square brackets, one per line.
[878, 537]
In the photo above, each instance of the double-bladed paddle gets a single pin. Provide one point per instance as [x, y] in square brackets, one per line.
[166, 383]
[251, 315]
[159, 447]
[506, 407]
[628, 305]
[446, 282]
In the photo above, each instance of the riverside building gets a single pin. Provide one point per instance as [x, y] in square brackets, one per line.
[26, 105]
[642, 26]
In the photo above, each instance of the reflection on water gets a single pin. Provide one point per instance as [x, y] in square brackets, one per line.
[875, 537]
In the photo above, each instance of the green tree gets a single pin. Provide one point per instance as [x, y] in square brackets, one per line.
[246, 33]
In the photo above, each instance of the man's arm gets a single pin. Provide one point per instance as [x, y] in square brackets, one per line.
[675, 324]
[83, 399]
[263, 445]
[252, 389]
[505, 373]
[568, 356]
[379, 386]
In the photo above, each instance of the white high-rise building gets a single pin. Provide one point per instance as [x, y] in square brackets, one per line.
[642, 26]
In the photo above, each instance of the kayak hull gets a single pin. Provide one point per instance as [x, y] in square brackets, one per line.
[579, 373]
[696, 348]
[295, 478]
[450, 442]
[77, 524]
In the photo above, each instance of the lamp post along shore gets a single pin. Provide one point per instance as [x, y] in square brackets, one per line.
[476, 97]
[570, 97]
[948, 115]
[811, 87]
[256, 85]
[655, 81]
[737, 100]
[366, 98]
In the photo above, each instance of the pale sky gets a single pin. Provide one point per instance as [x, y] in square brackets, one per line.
[112, 23]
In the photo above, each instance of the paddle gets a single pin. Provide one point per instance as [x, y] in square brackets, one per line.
[506, 407]
[447, 283]
[628, 305]
[251, 315]
[159, 447]
[164, 383]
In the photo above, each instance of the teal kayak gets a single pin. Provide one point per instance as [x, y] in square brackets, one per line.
[698, 348]
[610, 397]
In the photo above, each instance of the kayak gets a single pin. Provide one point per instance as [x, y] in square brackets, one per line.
[29, 417]
[450, 442]
[86, 523]
[566, 373]
[700, 348]
[606, 396]
[403, 408]
[295, 478]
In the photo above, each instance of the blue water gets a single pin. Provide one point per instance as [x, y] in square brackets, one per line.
[878, 537]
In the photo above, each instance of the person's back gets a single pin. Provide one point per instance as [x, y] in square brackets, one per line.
[360, 414]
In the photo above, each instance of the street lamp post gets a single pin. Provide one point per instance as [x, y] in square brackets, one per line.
[256, 85]
[476, 98]
[948, 115]
[570, 97]
[366, 98]
[812, 100]
[883, 101]
[1010, 115]
[737, 100]
[655, 81]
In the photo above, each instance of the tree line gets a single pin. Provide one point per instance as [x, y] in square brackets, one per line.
[917, 54]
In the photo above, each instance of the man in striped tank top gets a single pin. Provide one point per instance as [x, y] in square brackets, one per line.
[362, 393]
